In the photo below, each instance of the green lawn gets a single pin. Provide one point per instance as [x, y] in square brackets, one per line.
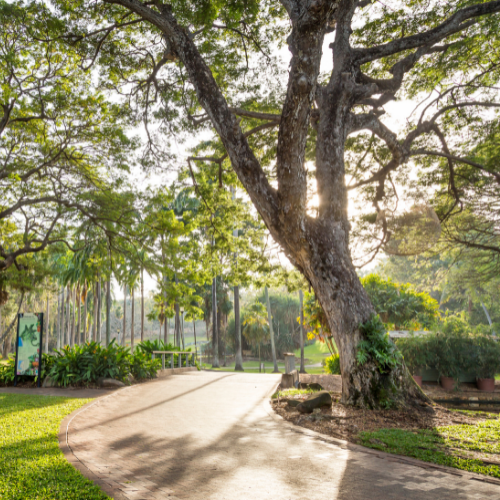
[31, 464]
[314, 354]
[465, 447]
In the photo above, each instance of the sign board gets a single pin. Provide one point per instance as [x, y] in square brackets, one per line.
[29, 345]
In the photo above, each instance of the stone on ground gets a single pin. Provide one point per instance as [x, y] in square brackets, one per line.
[109, 382]
[316, 400]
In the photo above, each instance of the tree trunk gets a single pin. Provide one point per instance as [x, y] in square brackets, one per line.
[142, 304]
[47, 320]
[125, 314]
[86, 313]
[301, 332]
[182, 331]
[95, 309]
[73, 312]
[195, 345]
[60, 299]
[68, 317]
[238, 362]
[79, 320]
[132, 318]
[271, 330]
[108, 310]
[99, 311]
[215, 342]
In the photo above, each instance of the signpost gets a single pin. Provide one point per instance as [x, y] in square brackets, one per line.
[29, 346]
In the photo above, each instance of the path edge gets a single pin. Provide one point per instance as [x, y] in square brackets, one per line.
[62, 438]
[346, 445]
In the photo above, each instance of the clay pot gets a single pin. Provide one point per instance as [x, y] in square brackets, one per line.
[447, 383]
[486, 384]
[418, 379]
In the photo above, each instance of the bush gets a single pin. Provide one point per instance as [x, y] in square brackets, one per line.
[332, 364]
[148, 346]
[454, 352]
[7, 370]
[143, 367]
[378, 346]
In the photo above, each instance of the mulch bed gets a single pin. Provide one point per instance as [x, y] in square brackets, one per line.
[346, 423]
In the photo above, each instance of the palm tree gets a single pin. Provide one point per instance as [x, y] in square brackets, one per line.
[255, 325]
[270, 319]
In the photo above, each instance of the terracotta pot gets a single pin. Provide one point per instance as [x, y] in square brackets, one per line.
[447, 383]
[486, 384]
[418, 379]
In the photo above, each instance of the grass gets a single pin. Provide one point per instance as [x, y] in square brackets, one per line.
[31, 463]
[291, 392]
[460, 446]
[314, 353]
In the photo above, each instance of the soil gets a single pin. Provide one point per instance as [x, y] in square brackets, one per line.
[346, 422]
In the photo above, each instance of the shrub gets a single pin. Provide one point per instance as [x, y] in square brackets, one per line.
[487, 359]
[85, 364]
[142, 366]
[332, 364]
[415, 353]
[454, 352]
[148, 346]
[8, 369]
[378, 346]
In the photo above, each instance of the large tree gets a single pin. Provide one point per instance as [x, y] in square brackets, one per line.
[209, 62]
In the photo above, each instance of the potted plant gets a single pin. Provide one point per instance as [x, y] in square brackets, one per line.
[487, 362]
[415, 353]
[451, 357]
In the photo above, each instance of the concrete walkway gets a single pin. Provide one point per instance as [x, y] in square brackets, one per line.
[213, 436]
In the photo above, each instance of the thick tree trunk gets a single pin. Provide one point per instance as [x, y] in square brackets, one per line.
[125, 314]
[271, 331]
[238, 362]
[215, 340]
[301, 332]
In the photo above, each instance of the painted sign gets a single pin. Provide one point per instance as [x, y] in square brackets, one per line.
[29, 344]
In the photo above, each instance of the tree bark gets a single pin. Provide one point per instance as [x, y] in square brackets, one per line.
[215, 340]
[132, 318]
[60, 298]
[99, 310]
[47, 320]
[95, 312]
[238, 362]
[108, 311]
[68, 317]
[125, 314]
[271, 331]
[142, 304]
[73, 312]
[86, 314]
[301, 332]
[79, 320]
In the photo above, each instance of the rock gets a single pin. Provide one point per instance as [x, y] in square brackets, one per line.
[316, 400]
[130, 378]
[313, 386]
[109, 382]
[294, 403]
[48, 382]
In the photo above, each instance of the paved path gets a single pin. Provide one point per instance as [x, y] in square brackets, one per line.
[211, 436]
